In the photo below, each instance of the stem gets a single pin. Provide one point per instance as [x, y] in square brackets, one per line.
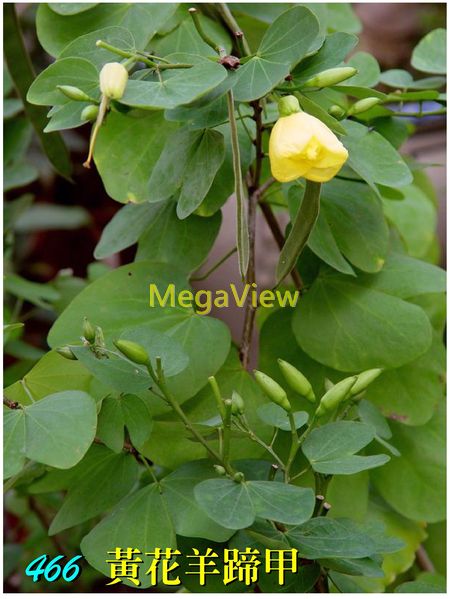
[294, 447]
[215, 266]
[423, 560]
[44, 520]
[217, 395]
[243, 426]
[160, 380]
[100, 118]
[141, 57]
[202, 33]
[227, 434]
[149, 468]
[233, 26]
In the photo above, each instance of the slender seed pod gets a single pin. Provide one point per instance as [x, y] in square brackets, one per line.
[237, 404]
[90, 113]
[363, 105]
[273, 390]
[113, 80]
[296, 380]
[74, 93]
[88, 330]
[66, 352]
[337, 394]
[331, 77]
[364, 379]
[133, 351]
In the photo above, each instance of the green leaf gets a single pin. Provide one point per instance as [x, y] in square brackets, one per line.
[18, 175]
[127, 150]
[13, 442]
[236, 505]
[342, 17]
[21, 71]
[185, 243]
[336, 538]
[275, 416]
[132, 524]
[39, 294]
[348, 496]
[49, 217]
[57, 430]
[56, 31]
[373, 158]
[330, 448]
[417, 586]
[189, 519]
[128, 288]
[414, 483]
[77, 72]
[400, 79]
[284, 44]
[364, 566]
[115, 474]
[364, 327]
[65, 116]
[180, 88]
[368, 70]
[64, 8]
[309, 106]
[323, 243]
[335, 48]
[429, 54]
[85, 47]
[301, 229]
[415, 219]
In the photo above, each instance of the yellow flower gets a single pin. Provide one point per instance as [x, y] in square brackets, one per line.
[302, 146]
[113, 80]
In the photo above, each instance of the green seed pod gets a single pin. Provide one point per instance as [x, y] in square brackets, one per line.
[133, 351]
[273, 390]
[89, 113]
[364, 379]
[288, 105]
[88, 330]
[74, 93]
[237, 404]
[219, 469]
[296, 380]
[239, 477]
[113, 80]
[66, 352]
[337, 112]
[363, 105]
[331, 77]
[335, 395]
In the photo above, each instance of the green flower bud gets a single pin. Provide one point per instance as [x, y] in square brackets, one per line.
[331, 77]
[337, 112]
[237, 403]
[113, 80]
[88, 330]
[273, 390]
[288, 105]
[133, 351]
[66, 352]
[99, 338]
[364, 379]
[89, 113]
[296, 380]
[238, 477]
[74, 93]
[337, 394]
[363, 105]
[219, 469]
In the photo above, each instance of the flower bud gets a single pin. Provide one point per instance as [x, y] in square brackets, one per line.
[219, 469]
[273, 390]
[133, 351]
[364, 379]
[337, 112]
[74, 93]
[296, 380]
[238, 477]
[88, 330]
[89, 113]
[337, 394]
[237, 403]
[363, 105]
[113, 80]
[66, 352]
[288, 105]
[331, 77]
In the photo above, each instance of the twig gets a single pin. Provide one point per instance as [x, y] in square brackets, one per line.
[43, 519]
[215, 266]
[233, 27]
[14, 405]
[423, 560]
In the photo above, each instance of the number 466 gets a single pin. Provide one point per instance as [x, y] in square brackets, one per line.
[53, 571]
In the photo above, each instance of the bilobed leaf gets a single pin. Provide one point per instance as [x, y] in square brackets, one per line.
[258, 77]
[352, 328]
[429, 54]
[341, 16]
[363, 566]
[56, 31]
[113, 473]
[127, 150]
[311, 107]
[368, 70]
[132, 524]
[323, 244]
[400, 79]
[301, 229]
[38, 294]
[226, 502]
[77, 72]
[13, 442]
[182, 88]
[275, 416]
[373, 158]
[85, 45]
[189, 519]
[72, 8]
[280, 502]
[414, 483]
[110, 427]
[66, 116]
